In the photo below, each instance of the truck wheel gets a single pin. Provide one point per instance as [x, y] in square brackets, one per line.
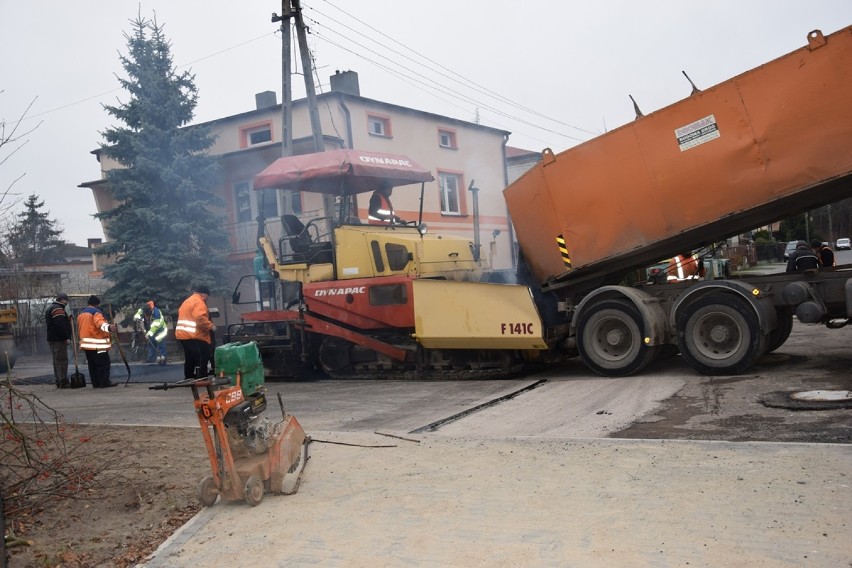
[782, 330]
[719, 334]
[611, 339]
[254, 490]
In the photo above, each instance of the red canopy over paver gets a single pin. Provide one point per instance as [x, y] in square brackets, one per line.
[341, 172]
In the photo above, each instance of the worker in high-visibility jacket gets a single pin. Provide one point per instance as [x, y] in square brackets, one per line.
[381, 210]
[685, 267]
[156, 330]
[194, 331]
[94, 331]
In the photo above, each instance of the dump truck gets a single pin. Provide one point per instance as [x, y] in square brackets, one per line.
[396, 301]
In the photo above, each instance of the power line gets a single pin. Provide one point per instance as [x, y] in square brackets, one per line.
[105, 93]
[471, 84]
[430, 84]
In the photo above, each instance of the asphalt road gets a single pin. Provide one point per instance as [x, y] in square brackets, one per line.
[365, 406]
[528, 472]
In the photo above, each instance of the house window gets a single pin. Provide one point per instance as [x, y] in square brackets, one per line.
[255, 134]
[242, 201]
[378, 125]
[450, 196]
[447, 139]
[244, 212]
[292, 202]
[267, 201]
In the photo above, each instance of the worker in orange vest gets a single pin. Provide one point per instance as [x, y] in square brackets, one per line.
[381, 209]
[194, 331]
[685, 267]
[94, 331]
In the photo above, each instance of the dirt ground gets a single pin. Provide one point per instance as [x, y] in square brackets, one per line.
[156, 470]
[151, 492]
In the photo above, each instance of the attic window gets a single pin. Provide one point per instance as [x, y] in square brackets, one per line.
[255, 135]
[260, 136]
[447, 138]
[378, 125]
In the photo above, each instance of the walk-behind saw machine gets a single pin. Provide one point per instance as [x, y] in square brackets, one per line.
[248, 456]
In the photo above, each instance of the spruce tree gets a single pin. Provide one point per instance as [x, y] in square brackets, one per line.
[164, 234]
[34, 237]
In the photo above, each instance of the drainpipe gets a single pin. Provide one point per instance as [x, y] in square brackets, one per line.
[340, 101]
[476, 238]
[513, 254]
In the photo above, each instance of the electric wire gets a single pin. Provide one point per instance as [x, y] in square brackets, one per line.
[425, 82]
[116, 89]
[472, 84]
[422, 81]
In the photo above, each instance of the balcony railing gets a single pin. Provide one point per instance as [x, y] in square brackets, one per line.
[245, 234]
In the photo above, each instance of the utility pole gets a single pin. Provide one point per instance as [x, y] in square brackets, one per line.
[286, 75]
[293, 9]
[286, 92]
[313, 111]
[307, 68]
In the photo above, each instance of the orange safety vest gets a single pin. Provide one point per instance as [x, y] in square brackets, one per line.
[385, 208]
[193, 321]
[683, 267]
[93, 329]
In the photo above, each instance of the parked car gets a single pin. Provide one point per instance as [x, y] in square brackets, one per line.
[791, 246]
[843, 244]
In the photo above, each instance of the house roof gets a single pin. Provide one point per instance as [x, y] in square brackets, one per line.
[375, 102]
[512, 152]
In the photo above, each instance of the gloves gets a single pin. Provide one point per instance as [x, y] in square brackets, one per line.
[149, 334]
[137, 317]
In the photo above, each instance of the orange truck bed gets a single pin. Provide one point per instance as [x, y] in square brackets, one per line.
[771, 142]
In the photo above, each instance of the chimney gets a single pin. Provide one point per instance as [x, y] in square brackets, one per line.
[265, 99]
[346, 82]
[93, 243]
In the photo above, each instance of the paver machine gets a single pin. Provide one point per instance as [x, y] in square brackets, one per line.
[373, 300]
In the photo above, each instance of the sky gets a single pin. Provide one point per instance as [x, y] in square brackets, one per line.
[552, 72]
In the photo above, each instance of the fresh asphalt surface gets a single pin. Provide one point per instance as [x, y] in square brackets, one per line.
[547, 488]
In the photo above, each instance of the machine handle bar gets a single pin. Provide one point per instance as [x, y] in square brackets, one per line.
[202, 382]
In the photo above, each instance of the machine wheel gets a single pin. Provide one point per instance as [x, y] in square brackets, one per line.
[719, 334]
[334, 355]
[782, 330]
[254, 490]
[207, 491]
[611, 339]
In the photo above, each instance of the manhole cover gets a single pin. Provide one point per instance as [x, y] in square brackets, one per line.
[808, 400]
[821, 395]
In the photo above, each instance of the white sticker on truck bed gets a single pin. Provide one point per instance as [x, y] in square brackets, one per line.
[697, 133]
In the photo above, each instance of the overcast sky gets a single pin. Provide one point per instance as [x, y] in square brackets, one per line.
[554, 72]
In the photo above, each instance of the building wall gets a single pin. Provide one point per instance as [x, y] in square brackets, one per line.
[475, 154]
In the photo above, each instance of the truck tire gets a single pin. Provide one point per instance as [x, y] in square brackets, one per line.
[719, 334]
[611, 338]
[782, 330]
